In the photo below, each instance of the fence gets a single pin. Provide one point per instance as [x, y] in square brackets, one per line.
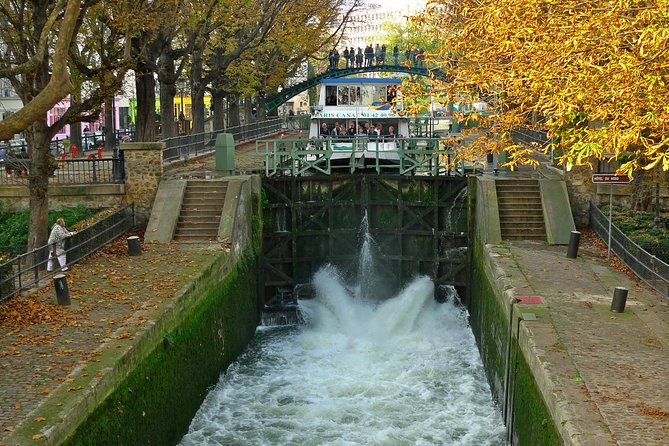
[403, 156]
[68, 171]
[188, 146]
[28, 269]
[646, 266]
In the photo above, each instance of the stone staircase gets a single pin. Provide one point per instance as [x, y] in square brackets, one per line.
[201, 211]
[521, 215]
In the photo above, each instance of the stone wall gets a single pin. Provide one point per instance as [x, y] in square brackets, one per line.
[17, 198]
[143, 171]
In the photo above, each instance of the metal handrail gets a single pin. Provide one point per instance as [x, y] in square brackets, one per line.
[185, 147]
[423, 156]
[65, 171]
[646, 266]
[26, 270]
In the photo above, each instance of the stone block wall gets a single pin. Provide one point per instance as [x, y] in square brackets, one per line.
[143, 171]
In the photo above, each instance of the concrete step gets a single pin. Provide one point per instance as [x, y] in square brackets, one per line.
[202, 202]
[511, 201]
[520, 211]
[197, 232]
[190, 223]
[521, 232]
[188, 238]
[513, 219]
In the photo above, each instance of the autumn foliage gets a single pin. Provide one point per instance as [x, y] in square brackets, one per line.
[593, 74]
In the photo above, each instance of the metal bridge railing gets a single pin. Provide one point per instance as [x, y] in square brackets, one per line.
[646, 266]
[26, 270]
[15, 172]
[404, 156]
[184, 147]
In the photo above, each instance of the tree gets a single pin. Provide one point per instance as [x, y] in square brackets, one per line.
[58, 24]
[592, 74]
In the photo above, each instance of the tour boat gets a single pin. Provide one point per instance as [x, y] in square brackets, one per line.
[360, 103]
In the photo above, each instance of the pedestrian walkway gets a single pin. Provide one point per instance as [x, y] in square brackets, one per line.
[605, 375]
[45, 349]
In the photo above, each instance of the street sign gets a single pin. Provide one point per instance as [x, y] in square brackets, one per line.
[611, 178]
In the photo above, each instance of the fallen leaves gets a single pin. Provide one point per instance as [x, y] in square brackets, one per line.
[655, 412]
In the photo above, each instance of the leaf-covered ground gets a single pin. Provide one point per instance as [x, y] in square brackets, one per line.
[41, 343]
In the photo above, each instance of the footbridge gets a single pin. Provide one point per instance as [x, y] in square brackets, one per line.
[273, 102]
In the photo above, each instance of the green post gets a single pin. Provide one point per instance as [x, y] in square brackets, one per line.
[225, 152]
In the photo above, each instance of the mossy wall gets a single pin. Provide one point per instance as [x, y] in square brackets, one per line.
[159, 397]
[489, 319]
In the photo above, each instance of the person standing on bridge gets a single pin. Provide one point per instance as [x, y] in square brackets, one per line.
[56, 241]
[369, 55]
[358, 58]
[351, 57]
[377, 54]
[396, 54]
[346, 56]
[383, 54]
[335, 59]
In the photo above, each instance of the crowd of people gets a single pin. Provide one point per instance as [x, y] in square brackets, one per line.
[340, 130]
[374, 56]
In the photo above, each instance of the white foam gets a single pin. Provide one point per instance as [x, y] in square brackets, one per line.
[359, 372]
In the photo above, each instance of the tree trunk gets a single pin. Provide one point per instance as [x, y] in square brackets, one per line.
[168, 90]
[261, 113]
[167, 118]
[197, 108]
[233, 110]
[218, 107]
[146, 105]
[110, 127]
[38, 182]
[248, 108]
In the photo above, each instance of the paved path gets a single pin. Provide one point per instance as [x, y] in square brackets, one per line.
[609, 372]
[43, 346]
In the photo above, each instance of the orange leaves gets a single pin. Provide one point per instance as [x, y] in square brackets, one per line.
[547, 61]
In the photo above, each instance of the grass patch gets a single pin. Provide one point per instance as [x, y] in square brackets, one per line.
[14, 234]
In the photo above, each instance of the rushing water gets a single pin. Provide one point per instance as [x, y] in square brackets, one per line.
[364, 369]
[402, 372]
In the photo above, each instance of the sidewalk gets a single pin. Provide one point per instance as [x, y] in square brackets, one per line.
[46, 348]
[607, 373]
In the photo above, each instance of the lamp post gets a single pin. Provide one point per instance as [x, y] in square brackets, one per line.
[182, 115]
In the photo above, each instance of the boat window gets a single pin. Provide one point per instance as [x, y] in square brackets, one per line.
[343, 96]
[330, 95]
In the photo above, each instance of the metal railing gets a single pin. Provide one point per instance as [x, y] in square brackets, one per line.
[412, 156]
[184, 147]
[646, 266]
[26, 270]
[67, 171]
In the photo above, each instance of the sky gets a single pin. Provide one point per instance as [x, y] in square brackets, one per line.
[395, 4]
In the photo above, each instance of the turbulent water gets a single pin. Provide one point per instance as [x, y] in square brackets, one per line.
[360, 371]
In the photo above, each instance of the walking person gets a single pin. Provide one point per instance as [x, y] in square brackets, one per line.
[56, 241]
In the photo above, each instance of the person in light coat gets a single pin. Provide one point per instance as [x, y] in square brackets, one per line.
[56, 241]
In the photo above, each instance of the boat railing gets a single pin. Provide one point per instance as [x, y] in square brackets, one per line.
[404, 156]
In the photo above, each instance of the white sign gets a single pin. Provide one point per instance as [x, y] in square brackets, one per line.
[361, 114]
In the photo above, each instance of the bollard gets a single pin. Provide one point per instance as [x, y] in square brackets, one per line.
[134, 247]
[572, 249]
[619, 300]
[62, 291]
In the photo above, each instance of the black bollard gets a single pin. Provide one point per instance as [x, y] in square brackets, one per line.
[572, 249]
[619, 300]
[62, 291]
[134, 247]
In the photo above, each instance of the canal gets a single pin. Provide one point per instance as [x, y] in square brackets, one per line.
[363, 369]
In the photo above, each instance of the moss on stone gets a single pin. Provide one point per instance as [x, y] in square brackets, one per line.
[157, 400]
